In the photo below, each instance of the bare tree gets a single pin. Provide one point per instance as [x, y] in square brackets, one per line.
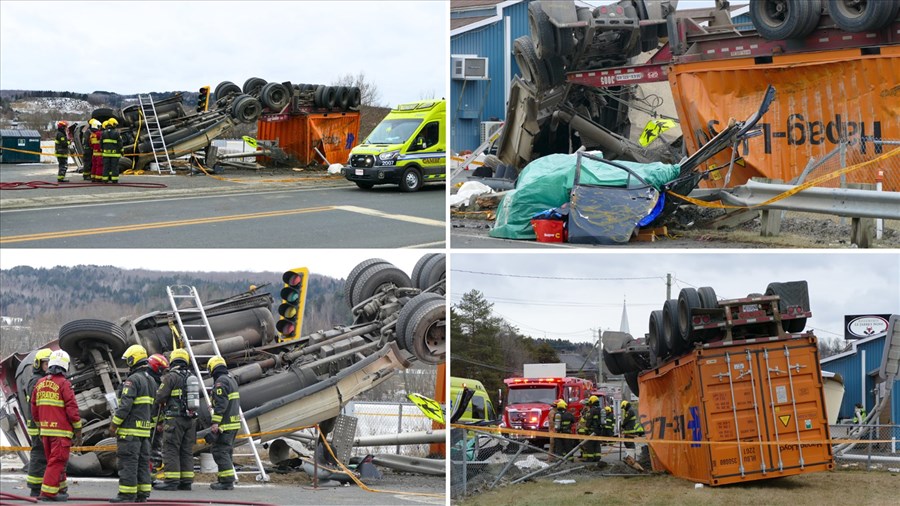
[368, 91]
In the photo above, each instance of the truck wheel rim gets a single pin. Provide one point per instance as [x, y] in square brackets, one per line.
[412, 180]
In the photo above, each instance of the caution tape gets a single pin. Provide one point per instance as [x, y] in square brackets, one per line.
[792, 191]
[560, 435]
[104, 448]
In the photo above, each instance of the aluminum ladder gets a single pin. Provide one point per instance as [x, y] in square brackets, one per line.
[191, 306]
[154, 132]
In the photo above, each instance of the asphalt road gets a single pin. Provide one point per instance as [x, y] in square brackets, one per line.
[392, 490]
[204, 212]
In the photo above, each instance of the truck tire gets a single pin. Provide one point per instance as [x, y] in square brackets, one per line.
[318, 96]
[542, 31]
[631, 379]
[224, 89]
[79, 335]
[862, 15]
[433, 272]
[329, 97]
[418, 268]
[355, 97]
[529, 63]
[424, 334]
[655, 338]
[411, 180]
[708, 299]
[253, 85]
[377, 277]
[688, 300]
[353, 277]
[671, 331]
[343, 97]
[782, 19]
[274, 96]
[246, 109]
[792, 293]
[405, 315]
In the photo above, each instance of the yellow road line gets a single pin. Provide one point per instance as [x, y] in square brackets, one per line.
[399, 217]
[161, 224]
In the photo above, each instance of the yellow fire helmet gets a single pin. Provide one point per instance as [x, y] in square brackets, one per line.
[593, 399]
[179, 354]
[134, 354]
[215, 362]
[105, 124]
[624, 405]
[40, 356]
[113, 122]
[561, 404]
[94, 123]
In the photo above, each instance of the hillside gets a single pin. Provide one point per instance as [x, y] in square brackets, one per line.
[45, 299]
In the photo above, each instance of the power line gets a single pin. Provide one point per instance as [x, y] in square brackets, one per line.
[480, 364]
[555, 278]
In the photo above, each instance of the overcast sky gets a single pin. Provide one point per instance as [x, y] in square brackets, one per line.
[334, 263]
[839, 283]
[132, 47]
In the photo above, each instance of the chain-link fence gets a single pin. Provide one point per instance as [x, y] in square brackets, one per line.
[878, 447]
[386, 418]
[481, 461]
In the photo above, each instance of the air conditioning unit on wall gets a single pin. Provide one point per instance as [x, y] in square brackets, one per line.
[489, 128]
[468, 67]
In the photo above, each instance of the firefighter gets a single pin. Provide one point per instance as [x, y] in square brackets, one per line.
[55, 411]
[132, 425]
[563, 422]
[158, 364]
[609, 422]
[112, 151]
[859, 413]
[96, 151]
[226, 403]
[37, 461]
[88, 149]
[594, 424]
[630, 429]
[62, 151]
[179, 426]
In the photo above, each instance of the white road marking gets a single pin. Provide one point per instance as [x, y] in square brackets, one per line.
[398, 217]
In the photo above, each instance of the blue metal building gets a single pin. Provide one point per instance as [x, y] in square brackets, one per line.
[859, 367]
[487, 29]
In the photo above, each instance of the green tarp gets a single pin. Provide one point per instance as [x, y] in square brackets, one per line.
[547, 182]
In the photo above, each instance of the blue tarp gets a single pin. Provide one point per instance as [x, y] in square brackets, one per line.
[547, 182]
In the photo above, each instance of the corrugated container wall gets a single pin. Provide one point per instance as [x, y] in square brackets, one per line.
[14, 142]
[472, 102]
[334, 134]
[859, 378]
[821, 97]
[740, 412]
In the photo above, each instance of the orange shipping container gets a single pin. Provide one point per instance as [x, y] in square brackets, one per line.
[334, 134]
[739, 397]
[820, 97]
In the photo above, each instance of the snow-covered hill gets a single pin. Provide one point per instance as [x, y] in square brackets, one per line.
[61, 104]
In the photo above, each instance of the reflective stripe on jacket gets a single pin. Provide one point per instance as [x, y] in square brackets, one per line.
[112, 143]
[62, 142]
[54, 408]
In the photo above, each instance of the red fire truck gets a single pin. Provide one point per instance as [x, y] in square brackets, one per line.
[529, 401]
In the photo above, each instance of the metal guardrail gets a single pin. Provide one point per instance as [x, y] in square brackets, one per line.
[845, 202]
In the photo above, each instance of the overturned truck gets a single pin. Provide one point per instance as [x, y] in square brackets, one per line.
[284, 382]
[730, 390]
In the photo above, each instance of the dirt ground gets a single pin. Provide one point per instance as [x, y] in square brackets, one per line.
[856, 488]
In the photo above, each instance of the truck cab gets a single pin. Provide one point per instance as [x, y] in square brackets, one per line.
[529, 400]
[408, 148]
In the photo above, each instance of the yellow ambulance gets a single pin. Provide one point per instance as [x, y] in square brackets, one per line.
[408, 148]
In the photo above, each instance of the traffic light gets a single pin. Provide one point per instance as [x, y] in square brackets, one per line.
[293, 300]
[203, 99]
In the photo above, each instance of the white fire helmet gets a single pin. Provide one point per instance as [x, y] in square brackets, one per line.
[60, 358]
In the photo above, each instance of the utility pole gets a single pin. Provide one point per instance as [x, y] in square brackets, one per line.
[599, 357]
[668, 286]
